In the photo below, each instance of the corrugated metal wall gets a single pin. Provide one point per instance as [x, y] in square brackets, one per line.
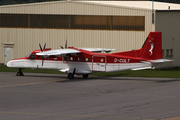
[26, 40]
[167, 24]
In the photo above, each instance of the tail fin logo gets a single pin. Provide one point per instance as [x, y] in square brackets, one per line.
[152, 46]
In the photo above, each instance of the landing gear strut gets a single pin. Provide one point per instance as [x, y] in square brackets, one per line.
[71, 73]
[20, 73]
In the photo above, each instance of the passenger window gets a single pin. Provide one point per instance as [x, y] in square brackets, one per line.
[79, 59]
[55, 58]
[71, 58]
[87, 59]
[65, 58]
[102, 60]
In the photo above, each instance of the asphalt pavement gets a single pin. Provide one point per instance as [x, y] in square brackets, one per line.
[38, 96]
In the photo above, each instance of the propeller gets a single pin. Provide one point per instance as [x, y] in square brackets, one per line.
[65, 45]
[42, 60]
[42, 50]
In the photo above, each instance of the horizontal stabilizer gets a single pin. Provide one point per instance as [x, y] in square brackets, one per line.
[160, 60]
[157, 61]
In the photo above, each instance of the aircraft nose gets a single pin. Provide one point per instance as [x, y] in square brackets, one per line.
[9, 64]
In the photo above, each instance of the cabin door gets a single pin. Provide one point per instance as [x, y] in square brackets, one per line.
[99, 63]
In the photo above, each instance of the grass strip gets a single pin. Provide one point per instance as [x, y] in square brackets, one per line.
[165, 73]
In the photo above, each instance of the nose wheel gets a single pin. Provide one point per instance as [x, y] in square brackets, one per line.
[20, 73]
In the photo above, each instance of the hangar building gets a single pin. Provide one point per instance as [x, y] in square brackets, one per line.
[122, 25]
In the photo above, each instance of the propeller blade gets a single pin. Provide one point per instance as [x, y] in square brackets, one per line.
[40, 47]
[44, 46]
[62, 47]
[66, 44]
[42, 60]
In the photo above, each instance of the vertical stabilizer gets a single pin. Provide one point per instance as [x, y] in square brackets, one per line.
[152, 48]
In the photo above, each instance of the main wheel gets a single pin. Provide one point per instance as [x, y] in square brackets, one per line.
[85, 76]
[70, 76]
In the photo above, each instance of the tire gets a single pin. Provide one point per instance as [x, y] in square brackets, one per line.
[70, 76]
[18, 74]
[85, 76]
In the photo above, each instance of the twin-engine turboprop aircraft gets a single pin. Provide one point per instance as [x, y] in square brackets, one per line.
[84, 61]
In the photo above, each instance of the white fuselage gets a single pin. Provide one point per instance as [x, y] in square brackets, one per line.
[81, 67]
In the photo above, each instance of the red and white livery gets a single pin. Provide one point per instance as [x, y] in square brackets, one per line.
[84, 61]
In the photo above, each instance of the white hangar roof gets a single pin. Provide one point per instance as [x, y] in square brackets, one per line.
[139, 4]
[130, 4]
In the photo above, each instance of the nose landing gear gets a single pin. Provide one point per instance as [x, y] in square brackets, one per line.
[20, 73]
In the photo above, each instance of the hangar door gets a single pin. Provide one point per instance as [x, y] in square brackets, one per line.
[7, 54]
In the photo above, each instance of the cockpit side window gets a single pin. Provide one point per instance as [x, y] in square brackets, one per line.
[32, 57]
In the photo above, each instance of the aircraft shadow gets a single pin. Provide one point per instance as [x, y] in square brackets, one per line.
[157, 80]
[49, 76]
[91, 77]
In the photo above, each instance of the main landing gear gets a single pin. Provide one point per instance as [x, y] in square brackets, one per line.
[20, 73]
[85, 75]
[71, 75]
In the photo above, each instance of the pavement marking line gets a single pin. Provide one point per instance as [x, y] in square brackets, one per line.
[69, 115]
[172, 118]
[31, 83]
[144, 95]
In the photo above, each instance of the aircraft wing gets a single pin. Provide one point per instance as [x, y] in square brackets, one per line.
[58, 52]
[97, 49]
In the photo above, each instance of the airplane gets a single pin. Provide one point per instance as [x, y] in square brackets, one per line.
[84, 61]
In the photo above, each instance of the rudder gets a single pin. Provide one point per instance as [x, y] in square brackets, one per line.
[152, 48]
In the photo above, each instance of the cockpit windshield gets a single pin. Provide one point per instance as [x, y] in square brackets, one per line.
[29, 55]
[144, 42]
